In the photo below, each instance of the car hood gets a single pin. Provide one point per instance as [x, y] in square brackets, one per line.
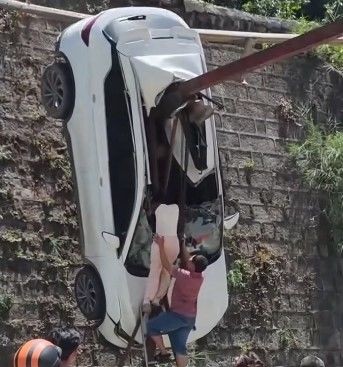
[156, 72]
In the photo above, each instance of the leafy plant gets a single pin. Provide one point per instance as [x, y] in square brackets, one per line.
[320, 159]
[333, 54]
[304, 25]
[197, 358]
[238, 275]
[286, 9]
[5, 154]
[249, 166]
[287, 339]
[11, 236]
[5, 306]
[333, 10]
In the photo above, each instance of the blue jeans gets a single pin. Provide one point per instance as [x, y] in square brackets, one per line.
[176, 326]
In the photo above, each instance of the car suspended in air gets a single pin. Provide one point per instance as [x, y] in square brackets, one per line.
[110, 72]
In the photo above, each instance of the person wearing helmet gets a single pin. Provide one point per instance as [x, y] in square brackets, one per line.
[68, 340]
[38, 353]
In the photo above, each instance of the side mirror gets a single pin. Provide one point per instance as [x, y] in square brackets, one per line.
[231, 221]
[111, 239]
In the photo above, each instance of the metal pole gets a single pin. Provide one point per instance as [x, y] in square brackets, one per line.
[270, 55]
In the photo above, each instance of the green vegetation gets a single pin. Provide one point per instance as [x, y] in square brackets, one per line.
[320, 160]
[309, 14]
[287, 339]
[286, 9]
[332, 54]
[249, 167]
[5, 306]
[5, 154]
[238, 275]
[11, 236]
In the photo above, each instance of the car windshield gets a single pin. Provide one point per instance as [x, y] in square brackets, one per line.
[203, 231]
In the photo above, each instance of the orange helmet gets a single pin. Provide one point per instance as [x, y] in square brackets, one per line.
[38, 353]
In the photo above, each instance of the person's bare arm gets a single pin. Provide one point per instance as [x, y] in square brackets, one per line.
[184, 254]
[165, 263]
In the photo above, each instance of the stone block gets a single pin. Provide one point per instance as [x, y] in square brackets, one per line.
[234, 90]
[264, 213]
[239, 123]
[218, 120]
[240, 337]
[276, 82]
[257, 143]
[266, 95]
[229, 105]
[296, 303]
[222, 55]
[268, 231]
[292, 321]
[232, 177]
[254, 79]
[259, 178]
[261, 128]
[273, 161]
[238, 158]
[254, 109]
[227, 140]
[249, 229]
[281, 146]
[243, 193]
[272, 128]
[245, 211]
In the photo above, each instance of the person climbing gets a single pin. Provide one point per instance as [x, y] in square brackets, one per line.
[38, 353]
[167, 217]
[68, 340]
[180, 319]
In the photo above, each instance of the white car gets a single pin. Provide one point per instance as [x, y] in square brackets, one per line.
[110, 73]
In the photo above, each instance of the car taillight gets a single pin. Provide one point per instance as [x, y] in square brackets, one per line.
[87, 29]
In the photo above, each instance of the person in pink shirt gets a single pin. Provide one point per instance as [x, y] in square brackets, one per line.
[180, 319]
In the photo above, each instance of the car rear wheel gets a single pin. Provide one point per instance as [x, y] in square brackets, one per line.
[89, 293]
[57, 89]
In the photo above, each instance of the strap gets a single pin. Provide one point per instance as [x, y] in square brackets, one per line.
[131, 341]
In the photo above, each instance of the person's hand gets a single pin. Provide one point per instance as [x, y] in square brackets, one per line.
[158, 239]
[146, 308]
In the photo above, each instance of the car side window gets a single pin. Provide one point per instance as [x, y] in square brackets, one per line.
[122, 167]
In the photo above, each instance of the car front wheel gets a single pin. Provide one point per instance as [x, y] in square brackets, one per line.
[57, 90]
[89, 293]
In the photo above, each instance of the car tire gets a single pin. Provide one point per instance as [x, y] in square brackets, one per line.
[90, 294]
[57, 90]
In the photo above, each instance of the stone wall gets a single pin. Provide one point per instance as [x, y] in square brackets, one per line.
[290, 299]
[290, 304]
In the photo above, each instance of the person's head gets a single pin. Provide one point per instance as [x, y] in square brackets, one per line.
[68, 340]
[248, 360]
[38, 353]
[197, 263]
[311, 361]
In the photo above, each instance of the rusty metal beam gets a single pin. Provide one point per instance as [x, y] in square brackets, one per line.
[179, 93]
[207, 35]
[282, 51]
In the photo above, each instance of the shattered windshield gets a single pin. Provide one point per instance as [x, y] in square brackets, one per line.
[203, 228]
